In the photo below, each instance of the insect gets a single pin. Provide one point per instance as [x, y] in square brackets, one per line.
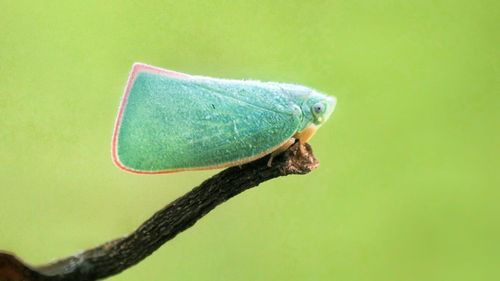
[170, 122]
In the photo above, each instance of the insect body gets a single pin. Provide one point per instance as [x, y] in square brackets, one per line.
[170, 121]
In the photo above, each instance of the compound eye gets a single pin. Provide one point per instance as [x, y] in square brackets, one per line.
[318, 108]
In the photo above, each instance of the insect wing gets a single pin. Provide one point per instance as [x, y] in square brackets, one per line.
[171, 122]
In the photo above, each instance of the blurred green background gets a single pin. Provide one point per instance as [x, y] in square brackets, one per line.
[408, 187]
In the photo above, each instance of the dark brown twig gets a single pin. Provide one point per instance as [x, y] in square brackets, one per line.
[117, 255]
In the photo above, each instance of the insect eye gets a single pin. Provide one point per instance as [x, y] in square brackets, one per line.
[318, 108]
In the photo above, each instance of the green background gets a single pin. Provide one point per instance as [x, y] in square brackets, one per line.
[408, 187]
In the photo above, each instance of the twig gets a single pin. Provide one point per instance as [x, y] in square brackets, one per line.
[117, 255]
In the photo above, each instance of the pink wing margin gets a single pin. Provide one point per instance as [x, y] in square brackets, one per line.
[137, 68]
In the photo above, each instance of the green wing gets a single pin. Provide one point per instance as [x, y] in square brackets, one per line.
[170, 123]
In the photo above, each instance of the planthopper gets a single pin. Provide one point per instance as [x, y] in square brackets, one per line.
[170, 122]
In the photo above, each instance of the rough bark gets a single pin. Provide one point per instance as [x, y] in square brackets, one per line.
[117, 255]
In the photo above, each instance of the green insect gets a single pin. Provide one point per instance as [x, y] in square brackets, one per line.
[170, 122]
